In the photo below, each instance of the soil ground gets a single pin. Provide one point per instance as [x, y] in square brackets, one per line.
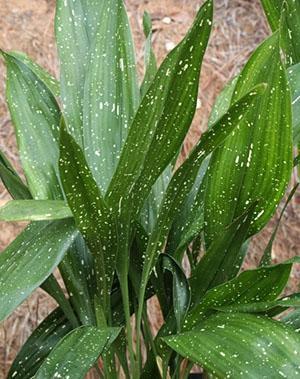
[27, 25]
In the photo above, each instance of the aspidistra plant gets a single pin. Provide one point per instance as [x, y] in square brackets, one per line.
[108, 207]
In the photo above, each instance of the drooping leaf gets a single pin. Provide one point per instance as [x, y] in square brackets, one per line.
[241, 346]
[260, 285]
[35, 115]
[34, 210]
[90, 211]
[255, 162]
[111, 92]
[39, 345]
[163, 118]
[51, 83]
[11, 180]
[223, 259]
[76, 353]
[30, 259]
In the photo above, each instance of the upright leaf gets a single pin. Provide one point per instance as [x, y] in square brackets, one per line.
[76, 353]
[241, 346]
[30, 259]
[111, 93]
[294, 82]
[272, 10]
[35, 115]
[90, 211]
[162, 119]
[255, 161]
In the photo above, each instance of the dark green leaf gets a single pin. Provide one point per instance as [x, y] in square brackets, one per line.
[39, 345]
[294, 82]
[290, 30]
[34, 210]
[260, 285]
[35, 115]
[11, 180]
[91, 213]
[162, 119]
[241, 346]
[30, 259]
[76, 353]
[181, 296]
[255, 162]
[223, 259]
[272, 10]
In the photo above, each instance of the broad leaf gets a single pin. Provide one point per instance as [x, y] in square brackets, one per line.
[241, 346]
[39, 345]
[111, 92]
[255, 162]
[294, 82]
[163, 118]
[35, 115]
[76, 353]
[272, 9]
[290, 29]
[90, 211]
[34, 210]
[30, 259]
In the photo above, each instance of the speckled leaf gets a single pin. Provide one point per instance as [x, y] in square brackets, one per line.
[34, 210]
[263, 284]
[294, 82]
[11, 180]
[241, 346]
[76, 353]
[255, 162]
[181, 296]
[290, 30]
[35, 115]
[39, 345]
[76, 23]
[91, 213]
[111, 92]
[223, 258]
[266, 307]
[51, 83]
[272, 10]
[184, 178]
[30, 259]
[162, 119]
[292, 319]
[149, 57]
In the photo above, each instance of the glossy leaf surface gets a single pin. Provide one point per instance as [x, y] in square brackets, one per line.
[241, 346]
[30, 259]
[255, 162]
[76, 353]
[34, 210]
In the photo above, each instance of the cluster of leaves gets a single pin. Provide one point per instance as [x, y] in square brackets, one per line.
[109, 208]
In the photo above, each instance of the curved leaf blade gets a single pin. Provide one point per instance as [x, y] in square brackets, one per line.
[224, 346]
[39, 345]
[76, 353]
[255, 162]
[30, 259]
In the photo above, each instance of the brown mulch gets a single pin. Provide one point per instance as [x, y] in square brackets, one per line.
[27, 25]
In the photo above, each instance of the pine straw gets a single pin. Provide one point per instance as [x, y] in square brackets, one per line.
[239, 28]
